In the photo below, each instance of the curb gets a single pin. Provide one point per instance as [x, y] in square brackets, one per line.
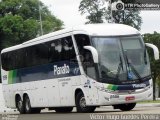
[8, 111]
[148, 105]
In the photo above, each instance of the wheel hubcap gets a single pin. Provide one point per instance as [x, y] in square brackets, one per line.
[27, 105]
[82, 102]
[20, 104]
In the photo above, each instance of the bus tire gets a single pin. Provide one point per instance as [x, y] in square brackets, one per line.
[20, 105]
[27, 105]
[63, 109]
[126, 107]
[81, 104]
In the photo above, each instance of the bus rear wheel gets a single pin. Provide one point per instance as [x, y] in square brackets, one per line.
[20, 105]
[81, 104]
[125, 107]
[27, 106]
[64, 109]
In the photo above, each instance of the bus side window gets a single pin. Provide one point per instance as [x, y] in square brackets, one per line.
[41, 53]
[54, 50]
[5, 61]
[68, 52]
[12, 60]
[20, 58]
[61, 50]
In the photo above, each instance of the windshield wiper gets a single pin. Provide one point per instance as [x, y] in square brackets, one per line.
[119, 66]
[131, 67]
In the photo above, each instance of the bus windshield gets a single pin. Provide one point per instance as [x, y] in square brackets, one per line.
[122, 59]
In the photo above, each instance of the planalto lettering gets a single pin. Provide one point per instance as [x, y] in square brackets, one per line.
[139, 85]
[61, 70]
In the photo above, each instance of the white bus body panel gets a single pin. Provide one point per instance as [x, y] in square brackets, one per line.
[107, 98]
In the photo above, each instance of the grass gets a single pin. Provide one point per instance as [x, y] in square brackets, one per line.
[150, 101]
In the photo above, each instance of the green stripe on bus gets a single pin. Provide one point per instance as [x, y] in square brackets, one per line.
[12, 76]
[114, 87]
[109, 87]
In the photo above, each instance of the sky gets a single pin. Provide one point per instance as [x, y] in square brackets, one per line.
[67, 11]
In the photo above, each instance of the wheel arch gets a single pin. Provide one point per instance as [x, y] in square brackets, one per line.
[26, 94]
[77, 91]
[17, 95]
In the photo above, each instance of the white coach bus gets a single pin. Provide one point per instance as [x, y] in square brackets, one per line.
[84, 67]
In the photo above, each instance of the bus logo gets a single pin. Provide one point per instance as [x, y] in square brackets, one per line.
[61, 70]
[139, 85]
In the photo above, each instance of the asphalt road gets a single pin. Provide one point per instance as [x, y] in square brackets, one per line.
[140, 112]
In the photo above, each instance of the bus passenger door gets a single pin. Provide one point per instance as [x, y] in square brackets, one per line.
[92, 90]
[91, 76]
[89, 68]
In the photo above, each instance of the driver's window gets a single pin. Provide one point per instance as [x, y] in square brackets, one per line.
[86, 56]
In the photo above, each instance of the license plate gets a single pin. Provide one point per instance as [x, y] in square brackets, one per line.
[129, 98]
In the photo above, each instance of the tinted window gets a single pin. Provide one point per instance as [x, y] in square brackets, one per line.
[61, 50]
[48, 52]
[86, 56]
[82, 40]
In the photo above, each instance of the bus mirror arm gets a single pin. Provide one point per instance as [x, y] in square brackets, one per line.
[94, 53]
[155, 49]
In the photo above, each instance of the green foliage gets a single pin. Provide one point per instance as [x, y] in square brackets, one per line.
[11, 28]
[128, 17]
[155, 65]
[96, 12]
[30, 29]
[19, 21]
[94, 9]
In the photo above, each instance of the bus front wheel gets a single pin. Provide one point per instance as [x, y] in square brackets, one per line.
[125, 107]
[81, 104]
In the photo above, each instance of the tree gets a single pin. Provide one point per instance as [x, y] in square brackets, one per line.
[155, 65]
[97, 12]
[19, 21]
[94, 9]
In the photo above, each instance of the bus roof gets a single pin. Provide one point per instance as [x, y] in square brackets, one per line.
[90, 29]
[108, 29]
